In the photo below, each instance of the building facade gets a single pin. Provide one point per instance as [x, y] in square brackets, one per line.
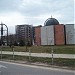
[24, 33]
[59, 34]
[52, 33]
[69, 30]
[47, 35]
[37, 35]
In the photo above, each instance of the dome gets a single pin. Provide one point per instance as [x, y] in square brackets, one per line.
[51, 21]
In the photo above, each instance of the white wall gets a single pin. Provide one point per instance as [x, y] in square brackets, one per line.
[47, 35]
[69, 33]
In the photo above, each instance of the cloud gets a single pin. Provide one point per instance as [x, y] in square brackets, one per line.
[12, 18]
[35, 12]
[31, 7]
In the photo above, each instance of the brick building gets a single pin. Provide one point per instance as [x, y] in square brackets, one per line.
[59, 34]
[38, 35]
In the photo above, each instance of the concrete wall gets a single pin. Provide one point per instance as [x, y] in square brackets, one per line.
[47, 35]
[69, 28]
[59, 35]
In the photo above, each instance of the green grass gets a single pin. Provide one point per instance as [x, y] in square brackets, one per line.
[57, 61]
[65, 49]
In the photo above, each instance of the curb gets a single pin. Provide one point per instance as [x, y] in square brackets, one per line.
[40, 64]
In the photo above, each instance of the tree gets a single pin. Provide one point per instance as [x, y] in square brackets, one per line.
[15, 43]
[21, 43]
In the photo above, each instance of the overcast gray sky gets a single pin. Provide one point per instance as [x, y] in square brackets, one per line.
[35, 12]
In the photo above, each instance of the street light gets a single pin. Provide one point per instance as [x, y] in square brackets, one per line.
[2, 36]
[2, 33]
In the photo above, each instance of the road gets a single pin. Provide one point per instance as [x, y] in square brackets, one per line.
[69, 56]
[7, 68]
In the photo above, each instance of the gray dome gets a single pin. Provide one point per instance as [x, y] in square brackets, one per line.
[51, 21]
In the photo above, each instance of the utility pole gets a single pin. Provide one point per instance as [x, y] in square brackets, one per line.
[1, 39]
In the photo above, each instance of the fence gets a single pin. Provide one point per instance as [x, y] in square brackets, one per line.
[51, 55]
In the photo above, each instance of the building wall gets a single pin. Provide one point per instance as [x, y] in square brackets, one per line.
[59, 34]
[47, 35]
[69, 28]
[38, 35]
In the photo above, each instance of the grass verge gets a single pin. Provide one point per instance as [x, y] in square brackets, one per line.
[66, 49]
[57, 61]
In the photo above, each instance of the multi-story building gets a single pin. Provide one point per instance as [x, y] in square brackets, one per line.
[24, 33]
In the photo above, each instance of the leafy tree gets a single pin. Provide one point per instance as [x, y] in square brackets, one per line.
[21, 43]
[15, 43]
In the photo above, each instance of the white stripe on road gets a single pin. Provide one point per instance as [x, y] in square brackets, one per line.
[2, 66]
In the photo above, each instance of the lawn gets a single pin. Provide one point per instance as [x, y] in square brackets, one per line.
[65, 49]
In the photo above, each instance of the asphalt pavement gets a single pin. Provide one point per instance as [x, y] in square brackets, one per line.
[7, 68]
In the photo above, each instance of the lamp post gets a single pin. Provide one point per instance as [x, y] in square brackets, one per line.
[2, 33]
[2, 36]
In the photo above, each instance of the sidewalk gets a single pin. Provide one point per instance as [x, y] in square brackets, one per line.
[69, 56]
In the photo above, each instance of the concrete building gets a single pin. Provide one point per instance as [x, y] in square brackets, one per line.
[24, 33]
[47, 35]
[59, 34]
[69, 30]
[52, 33]
[47, 31]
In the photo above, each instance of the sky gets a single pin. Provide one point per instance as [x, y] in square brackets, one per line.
[35, 12]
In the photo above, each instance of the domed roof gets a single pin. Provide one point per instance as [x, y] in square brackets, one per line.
[51, 21]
